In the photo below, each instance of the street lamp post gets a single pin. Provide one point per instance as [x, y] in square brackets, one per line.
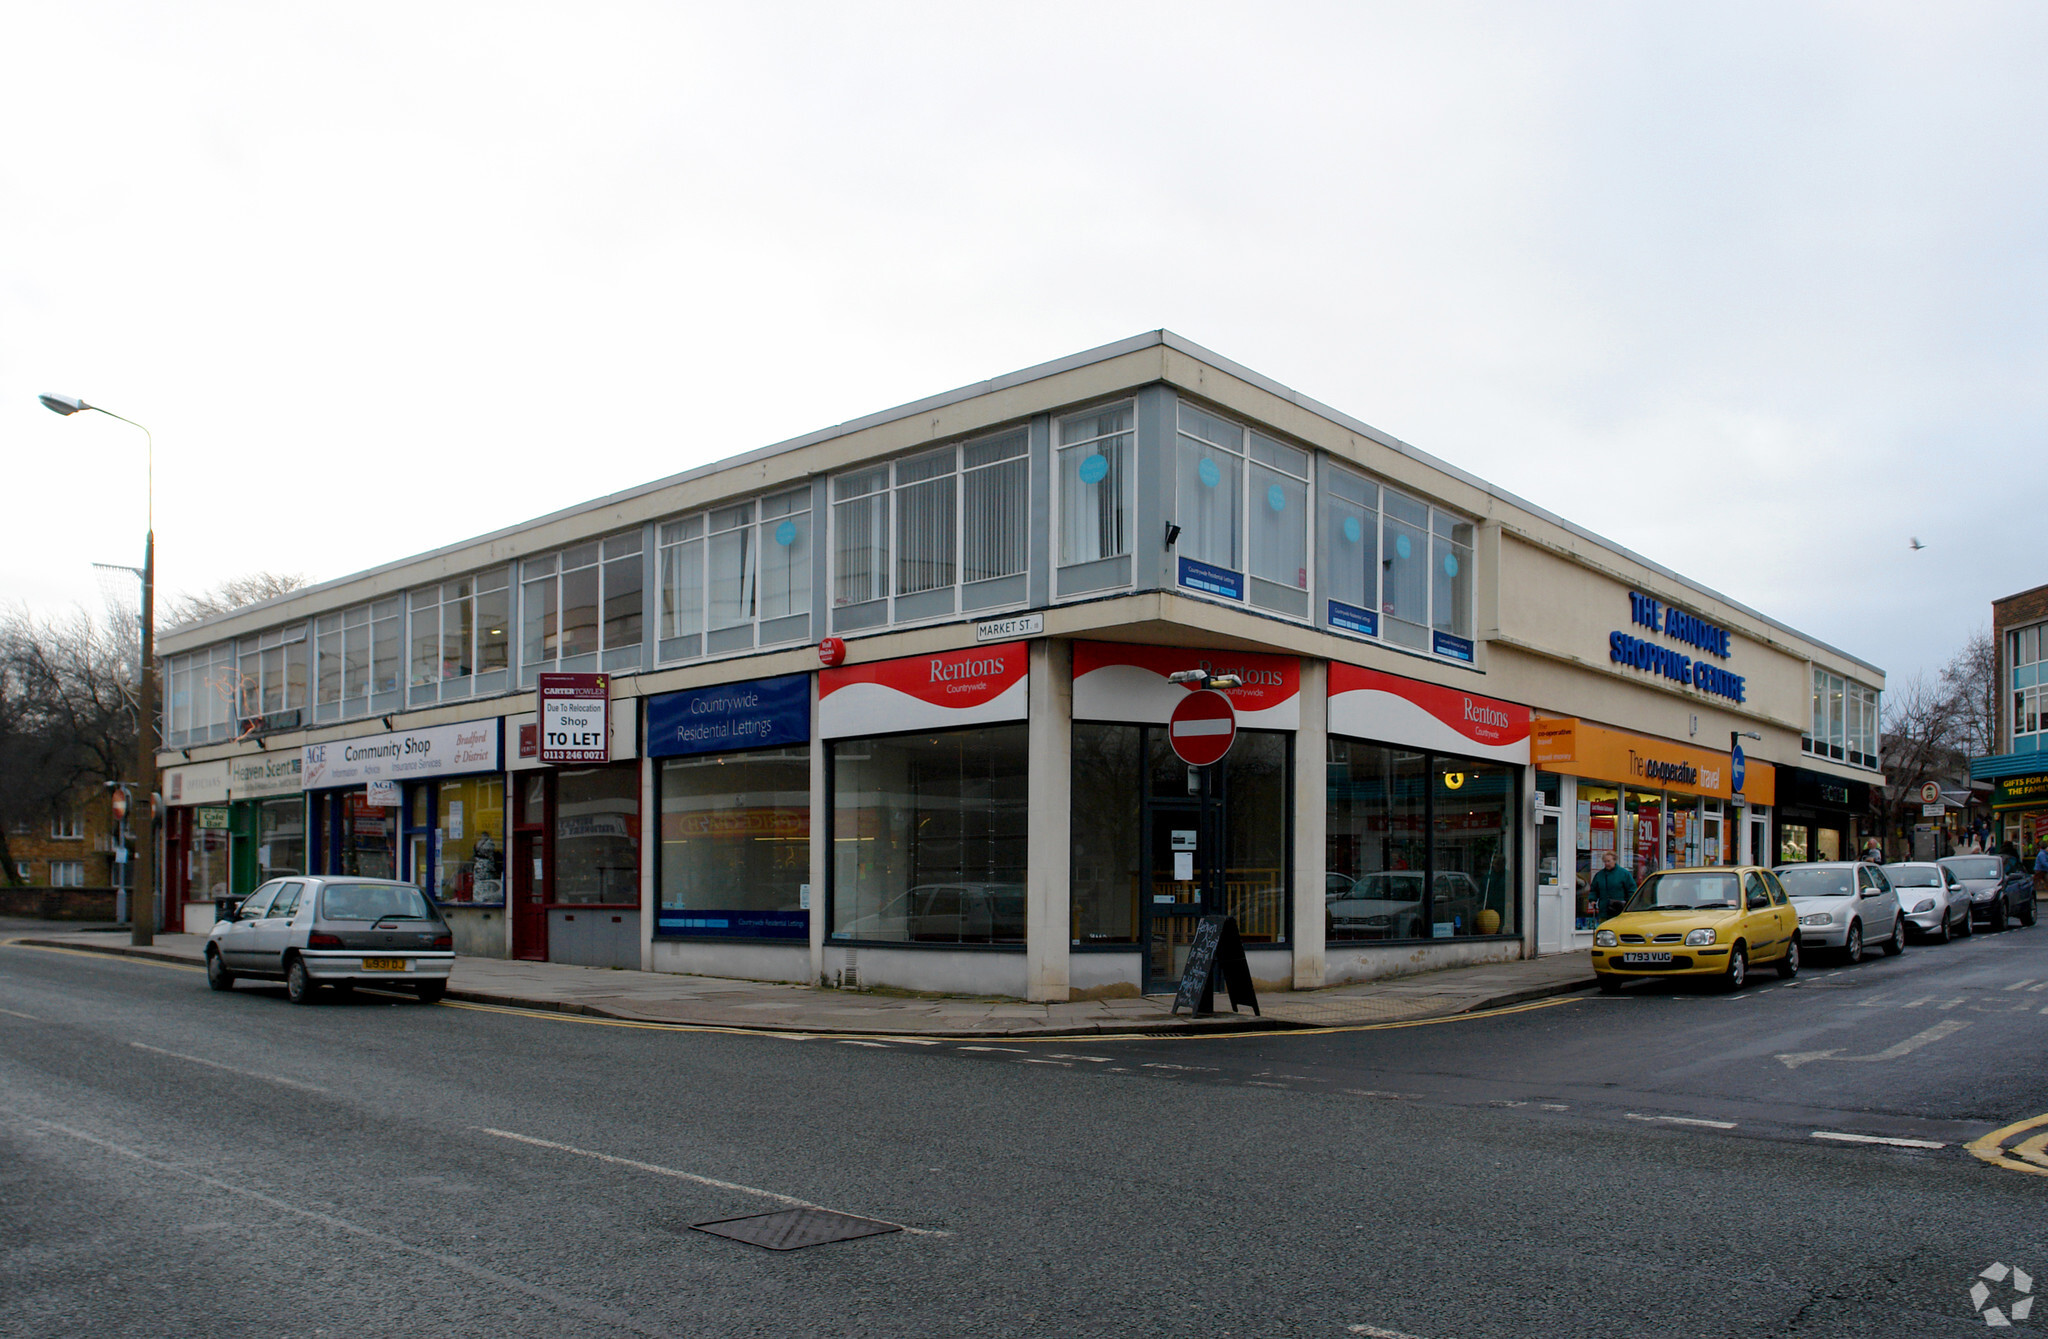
[142, 902]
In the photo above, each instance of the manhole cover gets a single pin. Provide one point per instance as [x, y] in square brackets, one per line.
[794, 1229]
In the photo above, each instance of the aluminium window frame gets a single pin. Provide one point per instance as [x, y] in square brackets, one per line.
[759, 530]
[1056, 518]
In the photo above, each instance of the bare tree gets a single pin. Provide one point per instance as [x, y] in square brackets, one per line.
[233, 593]
[67, 712]
[1972, 677]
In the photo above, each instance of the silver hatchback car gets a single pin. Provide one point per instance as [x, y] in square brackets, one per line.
[339, 931]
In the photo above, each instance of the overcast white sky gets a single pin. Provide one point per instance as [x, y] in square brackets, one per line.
[1757, 291]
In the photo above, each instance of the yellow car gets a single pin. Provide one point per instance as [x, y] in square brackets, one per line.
[1713, 922]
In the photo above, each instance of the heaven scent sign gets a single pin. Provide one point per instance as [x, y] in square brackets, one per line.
[1202, 728]
[574, 718]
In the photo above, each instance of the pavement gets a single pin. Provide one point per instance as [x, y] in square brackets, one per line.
[766, 1006]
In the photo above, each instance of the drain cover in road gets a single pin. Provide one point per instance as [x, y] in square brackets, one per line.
[794, 1229]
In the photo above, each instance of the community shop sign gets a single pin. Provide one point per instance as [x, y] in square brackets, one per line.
[403, 755]
[1688, 629]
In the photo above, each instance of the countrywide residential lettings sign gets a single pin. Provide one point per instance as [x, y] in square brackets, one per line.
[1118, 681]
[1370, 704]
[404, 755]
[757, 714]
[941, 691]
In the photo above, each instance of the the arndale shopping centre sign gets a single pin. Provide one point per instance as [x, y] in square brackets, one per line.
[1680, 626]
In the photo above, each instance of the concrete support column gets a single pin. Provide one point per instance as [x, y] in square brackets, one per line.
[1311, 822]
[1048, 915]
[821, 841]
[650, 854]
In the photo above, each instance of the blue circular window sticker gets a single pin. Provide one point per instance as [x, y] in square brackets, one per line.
[785, 534]
[1276, 497]
[1094, 470]
[1353, 531]
[1208, 473]
[1401, 546]
[1450, 564]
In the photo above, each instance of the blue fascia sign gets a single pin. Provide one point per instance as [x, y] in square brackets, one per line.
[1211, 580]
[733, 924]
[756, 714]
[1678, 625]
[1456, 648]
[1350, 618]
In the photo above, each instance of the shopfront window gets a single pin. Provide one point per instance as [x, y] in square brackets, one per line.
[597, 835]
[1108, 779]
[1419, 846]
[281, 837]
[368, 840]
[736, 844]
[1598, 824]
[929, 837]
[469, 865]
[206, 873]
[1255, 836]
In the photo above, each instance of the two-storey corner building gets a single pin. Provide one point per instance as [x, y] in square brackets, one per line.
[2018, 766]
[889, 703]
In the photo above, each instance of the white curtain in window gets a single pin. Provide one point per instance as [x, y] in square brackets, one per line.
[732, 578]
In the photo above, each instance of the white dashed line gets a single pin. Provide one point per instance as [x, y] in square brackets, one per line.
[1685, 1120]
[1375, 1332]
[16, 1013]
[845, 1041]
[2020, 984]
[1841, 1138]
[230, 1069]
[1008, 1050]
[1091, 1059]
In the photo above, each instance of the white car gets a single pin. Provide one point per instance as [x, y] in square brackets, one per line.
[339, 932]
[1844, 904]
[1933, 899]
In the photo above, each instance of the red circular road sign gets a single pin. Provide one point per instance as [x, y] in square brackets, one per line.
[832, 650]
[1202, 727]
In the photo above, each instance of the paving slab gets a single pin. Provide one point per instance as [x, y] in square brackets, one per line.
[701, 1001]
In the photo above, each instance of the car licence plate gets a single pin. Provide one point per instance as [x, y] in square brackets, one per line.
[1627, 958]
[398, 964]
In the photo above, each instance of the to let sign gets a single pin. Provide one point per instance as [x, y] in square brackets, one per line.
[574, 722]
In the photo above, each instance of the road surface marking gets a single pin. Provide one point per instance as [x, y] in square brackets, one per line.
[1948, 1004]
[16, 1013]
[1375, 1332]
[2020, 984]
[711, 1181]
[1010, 1049]
[1553, 1106]
[1875, 1000]
[848, 1041]
[1991, 1147]
[1091, 1059]
[1911, 1044]
[456, 1263]
[1374, 1092]
[2034, 1150]
[1917, 1003]
[1034, 1060]
[104, 954]
[1685, 1120]
[2042, 986]
[1841, 1138]
[215, 1064]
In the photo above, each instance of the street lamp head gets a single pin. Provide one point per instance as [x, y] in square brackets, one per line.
[63, 404]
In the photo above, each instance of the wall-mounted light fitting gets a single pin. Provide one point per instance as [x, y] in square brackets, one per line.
[1172, 534]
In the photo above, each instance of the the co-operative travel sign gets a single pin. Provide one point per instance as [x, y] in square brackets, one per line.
[757, 714]
[574, 726]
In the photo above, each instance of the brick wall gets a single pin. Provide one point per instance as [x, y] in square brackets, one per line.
[30, 843]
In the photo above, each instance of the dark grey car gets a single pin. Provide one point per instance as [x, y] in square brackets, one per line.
[339, 931]
[2000, 891]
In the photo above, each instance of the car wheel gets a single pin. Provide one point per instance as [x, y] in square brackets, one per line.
[1852, 947]
[298, 982]
[432, 991]
[1945, 934]
[1969, 926]
[217, 974]
[1738, 969]
[1995, 922]
[1788, 966]
[1896, 945]
[2028, 913]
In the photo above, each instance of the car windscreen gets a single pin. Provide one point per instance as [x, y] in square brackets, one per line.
[1825, 881]
[1683, 891]
[1913, 876]
[373, 902]
[1976, 867]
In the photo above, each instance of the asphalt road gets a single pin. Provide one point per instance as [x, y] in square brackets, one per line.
[174, 1161]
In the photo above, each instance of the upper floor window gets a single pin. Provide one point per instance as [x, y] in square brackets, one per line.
[736, 577]
[201, 695]
[1094, 464]
[932, 534]
[580, 609]
[1844, 720]
[68, 823]
[2026, 645]
[2024, 654]
[1398, 568]
[270, 670]
[359, 660]
[459, 640]
[1241, 502]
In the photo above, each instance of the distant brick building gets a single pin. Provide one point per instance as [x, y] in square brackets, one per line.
[72, 848]
[2018, 766]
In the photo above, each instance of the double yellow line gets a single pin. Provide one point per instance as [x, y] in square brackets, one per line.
[2029, 1155]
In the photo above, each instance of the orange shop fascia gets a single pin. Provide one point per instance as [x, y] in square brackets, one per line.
[1600, 754]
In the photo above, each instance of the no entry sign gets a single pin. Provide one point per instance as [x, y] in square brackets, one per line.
[1202, 728]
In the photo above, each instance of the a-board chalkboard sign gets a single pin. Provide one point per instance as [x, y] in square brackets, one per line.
[1216, 952]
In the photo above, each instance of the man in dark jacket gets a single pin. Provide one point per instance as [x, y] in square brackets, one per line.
[1612, 886]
